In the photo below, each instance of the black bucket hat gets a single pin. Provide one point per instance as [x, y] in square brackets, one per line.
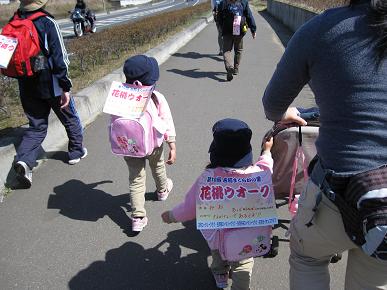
[231, 144]
[141, 68]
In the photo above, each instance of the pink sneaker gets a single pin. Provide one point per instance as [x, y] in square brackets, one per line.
[139, 223]
[164, 195]
[221, 280]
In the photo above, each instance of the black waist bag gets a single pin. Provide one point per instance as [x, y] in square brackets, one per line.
[362, 202]
[366, 193]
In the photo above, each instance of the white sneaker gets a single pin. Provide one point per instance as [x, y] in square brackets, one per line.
[75, 161]
[24, 173]
[139, 223]
[162, 196]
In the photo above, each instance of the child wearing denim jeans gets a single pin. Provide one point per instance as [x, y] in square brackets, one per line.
[231, 151]
[145, 70]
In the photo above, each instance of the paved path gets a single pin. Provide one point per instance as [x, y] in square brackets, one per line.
[71, 229]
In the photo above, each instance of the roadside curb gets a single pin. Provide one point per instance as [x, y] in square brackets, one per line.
[89, 103]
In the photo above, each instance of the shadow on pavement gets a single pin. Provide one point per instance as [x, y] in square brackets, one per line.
[284, 33]
[194, 73]
[196, 55]
[133, 267]
[80, 201]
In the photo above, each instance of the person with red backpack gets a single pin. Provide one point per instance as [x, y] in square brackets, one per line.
[40, 64]
[235, 18]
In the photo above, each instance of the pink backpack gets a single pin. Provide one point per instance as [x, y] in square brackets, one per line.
[137, 137]
[242, 243]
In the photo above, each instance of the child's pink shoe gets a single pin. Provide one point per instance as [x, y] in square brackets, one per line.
[139, 223]
[164, 195]
[221, 280]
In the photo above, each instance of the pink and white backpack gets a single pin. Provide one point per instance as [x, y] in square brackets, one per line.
[137, 137]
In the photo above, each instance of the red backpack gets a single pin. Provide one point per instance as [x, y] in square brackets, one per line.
[23, 29]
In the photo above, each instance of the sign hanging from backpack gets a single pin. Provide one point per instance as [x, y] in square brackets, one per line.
[231, 200]
[126, 100]
[28, 50]
[7, 48]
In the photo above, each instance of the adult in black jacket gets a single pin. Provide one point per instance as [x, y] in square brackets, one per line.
[48, 89]
[228, 10]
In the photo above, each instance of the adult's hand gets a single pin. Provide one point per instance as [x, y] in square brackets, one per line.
[292, 115]
[64, 99]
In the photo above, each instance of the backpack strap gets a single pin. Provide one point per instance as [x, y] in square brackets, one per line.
[36, 15]
[19, 16]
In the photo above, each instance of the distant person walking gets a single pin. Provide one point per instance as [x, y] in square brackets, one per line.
[215, 7]
[234, 18]
[49, 89]
[341, 53]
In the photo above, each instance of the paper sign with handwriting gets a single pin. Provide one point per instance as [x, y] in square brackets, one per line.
[231, 200]
[127, 100]
[7, 48]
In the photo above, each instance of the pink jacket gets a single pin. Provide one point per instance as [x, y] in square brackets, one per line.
[186, 210]
[166, 115]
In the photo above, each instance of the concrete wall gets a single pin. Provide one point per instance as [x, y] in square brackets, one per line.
[290, 15]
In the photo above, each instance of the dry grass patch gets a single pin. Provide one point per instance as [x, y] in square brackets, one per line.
[317, 5]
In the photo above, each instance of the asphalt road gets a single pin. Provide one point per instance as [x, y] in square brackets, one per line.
[129, 14]
[71, 229]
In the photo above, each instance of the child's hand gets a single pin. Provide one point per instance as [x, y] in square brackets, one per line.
[172, 153]
[166, 217]
[268, 145]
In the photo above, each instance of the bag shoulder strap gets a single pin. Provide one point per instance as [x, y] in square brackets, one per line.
[36, 15]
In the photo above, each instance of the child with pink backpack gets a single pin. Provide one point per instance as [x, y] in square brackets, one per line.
[234, 246]
[141, 139]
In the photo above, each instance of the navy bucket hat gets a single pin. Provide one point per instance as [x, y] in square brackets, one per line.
[141, 68]
[231, 144]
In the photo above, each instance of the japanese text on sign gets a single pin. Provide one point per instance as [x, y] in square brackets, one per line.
[7, 48]
[230, 200]
[127, 100]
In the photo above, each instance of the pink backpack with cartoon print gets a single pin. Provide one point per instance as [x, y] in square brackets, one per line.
[243, 243]
[137, 137]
